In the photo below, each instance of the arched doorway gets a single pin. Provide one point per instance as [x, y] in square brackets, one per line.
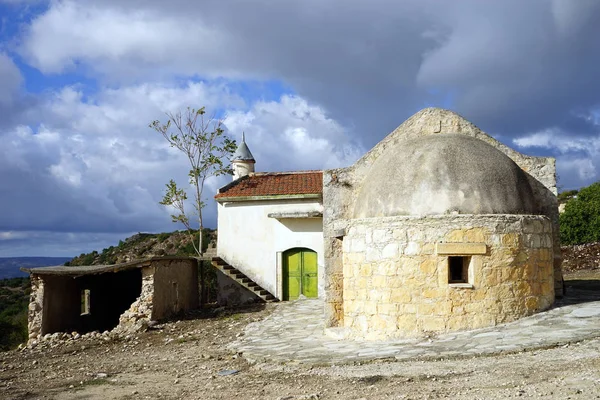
[300, 273]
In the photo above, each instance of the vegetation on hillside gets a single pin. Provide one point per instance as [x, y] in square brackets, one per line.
[567, 195]
[580, 222]
[14, 298]
[146, 245]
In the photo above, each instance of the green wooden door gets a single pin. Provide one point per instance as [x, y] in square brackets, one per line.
[309, 274]
[300, 270]
[292, 274]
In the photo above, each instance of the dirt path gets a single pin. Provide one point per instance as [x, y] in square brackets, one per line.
[184, 360]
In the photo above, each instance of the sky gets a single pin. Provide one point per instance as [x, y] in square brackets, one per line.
[313, 84]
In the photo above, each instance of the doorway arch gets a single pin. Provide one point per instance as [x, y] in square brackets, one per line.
[300, 273]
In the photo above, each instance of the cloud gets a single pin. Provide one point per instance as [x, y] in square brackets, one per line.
[352, 71]
[511, 67]
[292, 134]
[94, 167]
[578, 158]
[10, 81]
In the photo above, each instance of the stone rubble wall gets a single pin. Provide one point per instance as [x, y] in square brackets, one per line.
[395, 285]
[137, 317]
[36, 306]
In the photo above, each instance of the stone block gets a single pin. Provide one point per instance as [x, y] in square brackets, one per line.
[346, 245]
[400, 235]
[457, 323]
[357, 245]
[362, 323]
[433, 324]
[476, 235]
[381, 235]
[428, 266]
[390, 250]
[387, 268]
[366, 270]
[407, 322]
[531, 303]
[464, 249]
[425, 309]
[387, 309]
[379, 281]
[482, 320]
[427, 248]
[369, 235]
[412, 249]
[511, 239]
[457, 235]
[373, 254]
[370, 307]
[400, 296]
[434, 293]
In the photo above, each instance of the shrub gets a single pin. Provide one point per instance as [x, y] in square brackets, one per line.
[580, 222]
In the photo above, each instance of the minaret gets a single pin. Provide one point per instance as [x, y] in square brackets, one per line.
[243, 160]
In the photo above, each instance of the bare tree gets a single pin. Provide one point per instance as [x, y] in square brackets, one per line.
[207, 148]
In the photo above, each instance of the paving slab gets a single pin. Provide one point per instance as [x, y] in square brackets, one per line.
[295, 333]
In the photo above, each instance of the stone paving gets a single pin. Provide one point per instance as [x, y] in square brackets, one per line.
[294, 333]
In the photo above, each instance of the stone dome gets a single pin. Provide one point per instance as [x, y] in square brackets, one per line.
[442, 174]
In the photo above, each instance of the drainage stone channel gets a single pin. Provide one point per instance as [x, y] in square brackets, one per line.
[294, 333]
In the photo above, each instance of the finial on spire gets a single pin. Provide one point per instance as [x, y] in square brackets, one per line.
[243, 136]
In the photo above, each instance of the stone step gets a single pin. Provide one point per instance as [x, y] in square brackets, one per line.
[242, 279]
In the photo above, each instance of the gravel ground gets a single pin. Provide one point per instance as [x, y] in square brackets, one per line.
[188, 360]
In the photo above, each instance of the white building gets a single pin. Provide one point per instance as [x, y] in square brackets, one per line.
[271, 230]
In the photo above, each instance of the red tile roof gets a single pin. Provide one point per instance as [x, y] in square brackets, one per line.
[275, 184]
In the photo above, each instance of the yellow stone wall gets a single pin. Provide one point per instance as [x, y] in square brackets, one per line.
[395, 273]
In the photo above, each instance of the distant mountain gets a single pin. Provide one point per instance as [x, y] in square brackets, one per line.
[9, 266]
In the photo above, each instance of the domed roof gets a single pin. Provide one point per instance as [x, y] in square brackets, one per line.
[442, 174]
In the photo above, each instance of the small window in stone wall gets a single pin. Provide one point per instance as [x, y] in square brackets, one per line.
[85, 302]
[458, 269]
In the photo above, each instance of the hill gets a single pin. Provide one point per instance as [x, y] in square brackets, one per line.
[146, 245]
[9, 266]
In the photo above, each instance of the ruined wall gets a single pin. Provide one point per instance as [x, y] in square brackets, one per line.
[396, 278]
[124, 297]
[340, 188]
[169, 286]
[62, 305]
[137, 316]
[175, 287]
[36, 305]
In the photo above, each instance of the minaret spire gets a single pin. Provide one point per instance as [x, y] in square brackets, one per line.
[243, 160]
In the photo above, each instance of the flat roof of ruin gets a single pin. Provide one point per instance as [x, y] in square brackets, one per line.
[99, 269]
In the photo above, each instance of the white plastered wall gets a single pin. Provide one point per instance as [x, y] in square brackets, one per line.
[252, 241]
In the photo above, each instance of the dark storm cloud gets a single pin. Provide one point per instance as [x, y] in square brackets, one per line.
[512, 67]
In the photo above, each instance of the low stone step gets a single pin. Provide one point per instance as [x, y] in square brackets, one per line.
[242, 279]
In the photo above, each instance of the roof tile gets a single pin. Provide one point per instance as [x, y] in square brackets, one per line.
[274, 184]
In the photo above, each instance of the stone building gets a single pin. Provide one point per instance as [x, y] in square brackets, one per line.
[438, 228]
[106, 297]
[270, 236]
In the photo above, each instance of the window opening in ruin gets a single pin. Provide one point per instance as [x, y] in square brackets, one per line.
[85, 302]
[458, 269]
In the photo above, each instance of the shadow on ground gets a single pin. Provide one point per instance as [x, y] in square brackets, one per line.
[580, 291]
